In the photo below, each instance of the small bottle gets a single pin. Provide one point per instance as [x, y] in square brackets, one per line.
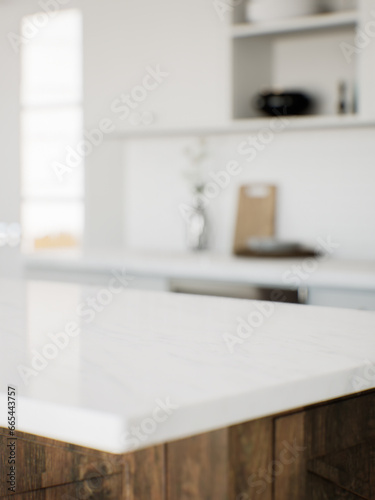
[342, 105]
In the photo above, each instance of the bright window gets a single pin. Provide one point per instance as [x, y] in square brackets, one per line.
[51, 120]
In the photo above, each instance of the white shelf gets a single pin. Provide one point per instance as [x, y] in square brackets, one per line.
[246, 126]
[297, 24]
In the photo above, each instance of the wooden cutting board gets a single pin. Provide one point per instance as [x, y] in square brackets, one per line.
[256, 214]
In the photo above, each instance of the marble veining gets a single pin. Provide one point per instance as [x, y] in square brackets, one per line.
[151, 367]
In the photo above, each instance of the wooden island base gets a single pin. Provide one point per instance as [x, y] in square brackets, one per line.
[321, 452]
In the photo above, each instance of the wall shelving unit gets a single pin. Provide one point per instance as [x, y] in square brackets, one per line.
[303, 53]
[308, 54]
[297, 24]
[246, 126]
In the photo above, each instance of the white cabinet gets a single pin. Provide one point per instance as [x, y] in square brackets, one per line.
[352, 299]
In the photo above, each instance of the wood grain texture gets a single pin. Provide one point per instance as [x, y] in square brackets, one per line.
[32, 438]
[340, 440]
[256, 214]
[349, 469]
[320, 489]
[197, 467]
[144, 475]
[339, 458]
[340, 425]
[107, 488]
[290, 457]
[250, 455]
[372, 471]
[41, 465]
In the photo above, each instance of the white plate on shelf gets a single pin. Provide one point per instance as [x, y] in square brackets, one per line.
[269, 10]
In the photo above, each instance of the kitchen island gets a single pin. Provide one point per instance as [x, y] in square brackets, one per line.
[134, 395]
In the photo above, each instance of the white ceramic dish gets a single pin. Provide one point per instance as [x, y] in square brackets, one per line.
[269, 10]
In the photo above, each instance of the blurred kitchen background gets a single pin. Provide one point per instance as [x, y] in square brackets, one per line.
[128, 128]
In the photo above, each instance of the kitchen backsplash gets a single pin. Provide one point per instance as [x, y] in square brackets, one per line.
[325, 182]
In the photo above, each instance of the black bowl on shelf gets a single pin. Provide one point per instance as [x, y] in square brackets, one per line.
[282, 103]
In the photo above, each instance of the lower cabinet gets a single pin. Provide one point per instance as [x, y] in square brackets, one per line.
[323, 452]
[347, 299]
[334, 447]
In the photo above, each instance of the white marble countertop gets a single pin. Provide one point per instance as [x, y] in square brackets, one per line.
[324, 272]
[152, 367]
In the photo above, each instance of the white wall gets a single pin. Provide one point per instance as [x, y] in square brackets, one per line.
[133, 190]
[187, 40]
[122, 39]
[9, 135]
[325, 178]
